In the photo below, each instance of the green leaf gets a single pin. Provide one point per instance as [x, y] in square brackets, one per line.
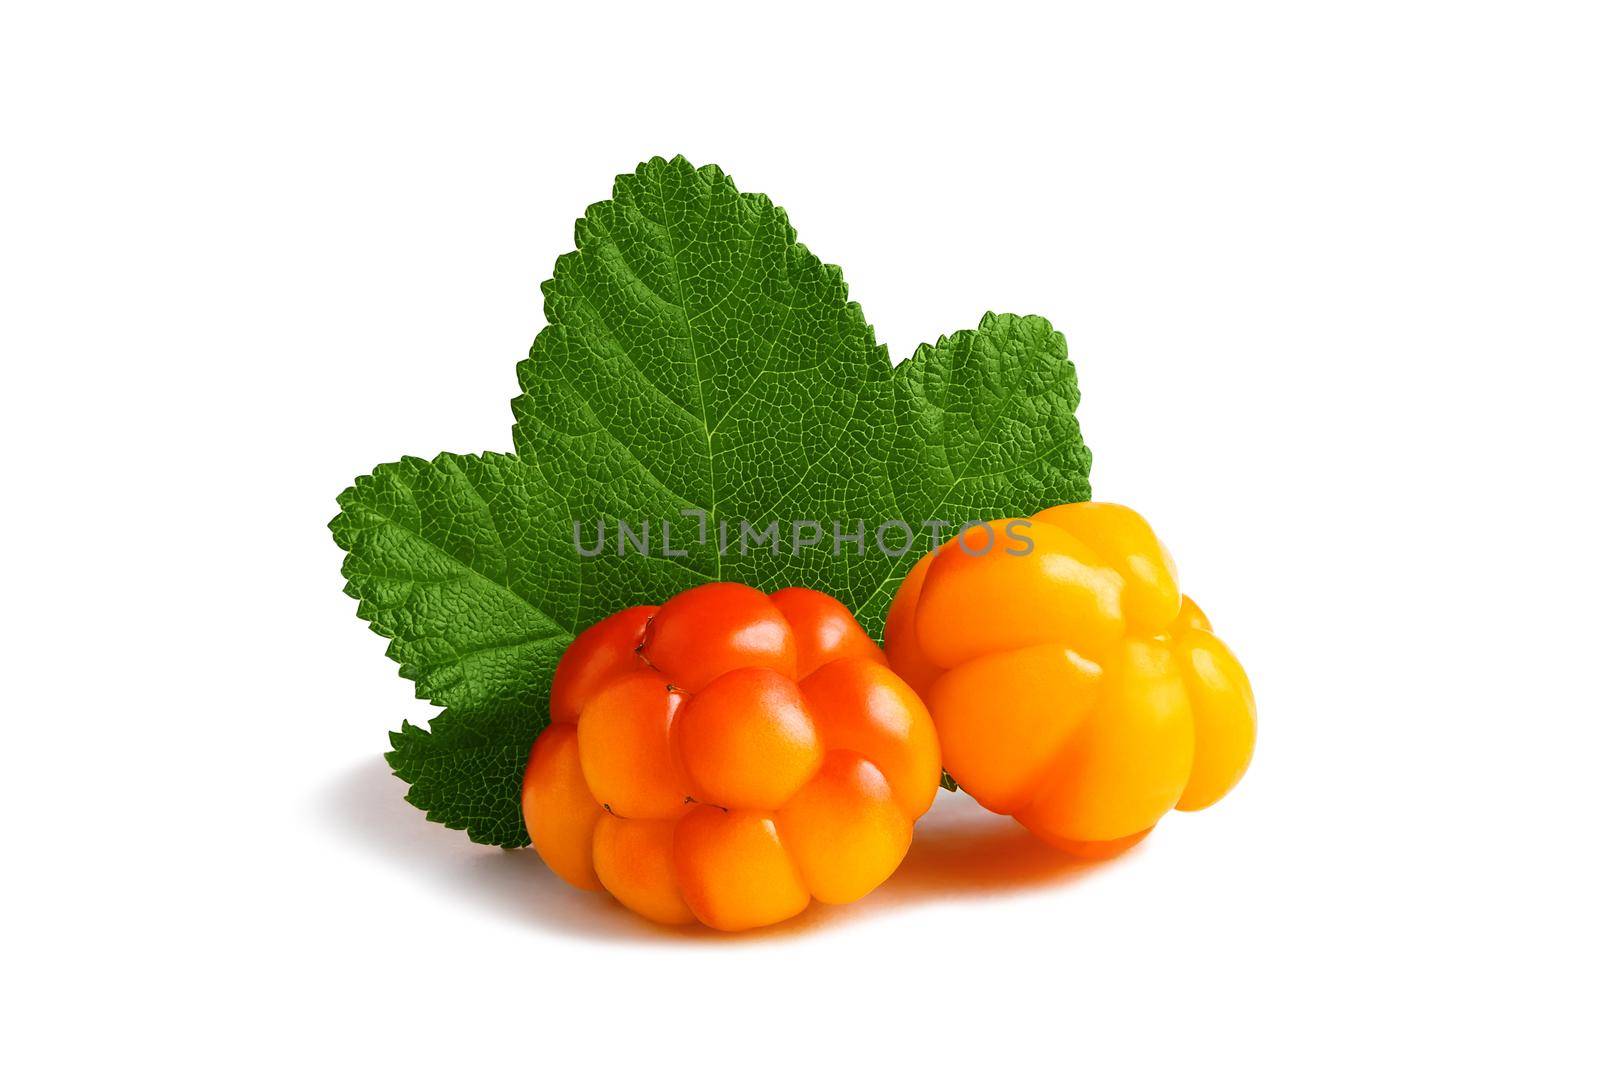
[697, 359]
[456, 562]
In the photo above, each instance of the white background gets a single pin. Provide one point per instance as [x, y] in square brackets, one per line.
[1329, 278]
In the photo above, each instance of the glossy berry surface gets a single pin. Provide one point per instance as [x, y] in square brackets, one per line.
[1072, 684]
[727, 757]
